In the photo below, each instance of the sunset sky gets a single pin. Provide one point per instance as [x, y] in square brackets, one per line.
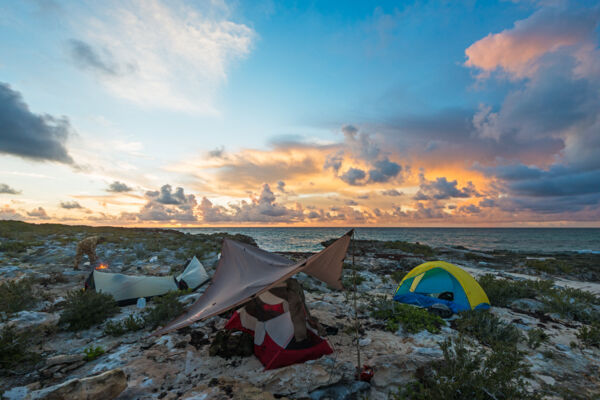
[256, 113]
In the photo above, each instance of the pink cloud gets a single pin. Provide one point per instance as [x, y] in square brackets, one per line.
[518, 50]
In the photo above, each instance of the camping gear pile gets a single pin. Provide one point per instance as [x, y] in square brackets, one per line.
[272, 320]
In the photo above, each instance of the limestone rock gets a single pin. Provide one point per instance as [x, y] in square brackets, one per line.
[396, 369]
[64, 359]
[28, 320]
[105, 386]
[529, 305]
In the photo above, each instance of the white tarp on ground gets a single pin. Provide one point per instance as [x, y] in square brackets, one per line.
[128, 287]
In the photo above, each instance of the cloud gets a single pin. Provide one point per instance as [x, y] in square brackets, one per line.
[518, 50]
[28, 135]
[263, 208]
[334, 161]
[160, 54]
[118, 187]
[5, 189]
[361, 144]
[383, 171]
[391, 192]
[102, 61]
[9, 213]
[69, 205]
[442, 189]
[354, 176]
[351, 202]
[38, 213]
[217, 153]
[249, 169]
[166, 205]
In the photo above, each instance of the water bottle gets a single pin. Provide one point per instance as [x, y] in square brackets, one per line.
[141, 302]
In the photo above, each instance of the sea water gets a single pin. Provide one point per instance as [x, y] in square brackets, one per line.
[543, 240]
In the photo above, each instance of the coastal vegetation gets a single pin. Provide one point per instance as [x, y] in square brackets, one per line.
[412, 319]
[84, 309]
[15, 352]
[164, 309]
[16, 296]
[470, 372]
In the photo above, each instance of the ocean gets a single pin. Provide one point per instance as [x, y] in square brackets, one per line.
[544, 240]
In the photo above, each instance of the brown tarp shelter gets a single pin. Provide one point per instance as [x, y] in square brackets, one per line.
[245, 271]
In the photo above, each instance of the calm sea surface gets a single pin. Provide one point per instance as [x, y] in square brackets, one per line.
[516, 239]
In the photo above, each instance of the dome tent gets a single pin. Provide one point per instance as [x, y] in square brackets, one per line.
[424, 283]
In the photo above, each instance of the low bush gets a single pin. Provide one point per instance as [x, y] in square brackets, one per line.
[84, 309]
[348, 281]
[165, 309]
[16, 296]
[563, 303]
[590, 335]
[13, 247]
[412, 319]
[535, 338]
[130, 324]
[550, 266]
[567, 302]
[487, 328]
[398, 275]
[474, 375]
[91, 353]
[413, 248]
[14, 350]
[502, 292]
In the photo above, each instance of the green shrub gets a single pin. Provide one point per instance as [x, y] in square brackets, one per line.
[590, 335]
[14, 350]
[16, 296]
[165, 309]
[502, 292]
[413, 248]
[13, 247]
[84, 309]
[550, 266]
[569, 304]
[348, 281]
[398, 275]
[474, 375]
[130, 324]
[413, 319]
[535, 338]
[487, 328]
[91, 353]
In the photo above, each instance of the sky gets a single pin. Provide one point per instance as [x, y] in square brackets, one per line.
[298, 113]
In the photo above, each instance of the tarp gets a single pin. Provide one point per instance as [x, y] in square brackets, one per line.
[245, 271]
[127, 288]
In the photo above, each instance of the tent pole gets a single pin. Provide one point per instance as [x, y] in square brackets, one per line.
[356, 324]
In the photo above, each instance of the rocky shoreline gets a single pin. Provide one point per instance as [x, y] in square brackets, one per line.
[564, 364]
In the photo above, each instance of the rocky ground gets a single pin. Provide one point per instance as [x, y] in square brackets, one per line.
[178, 365]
